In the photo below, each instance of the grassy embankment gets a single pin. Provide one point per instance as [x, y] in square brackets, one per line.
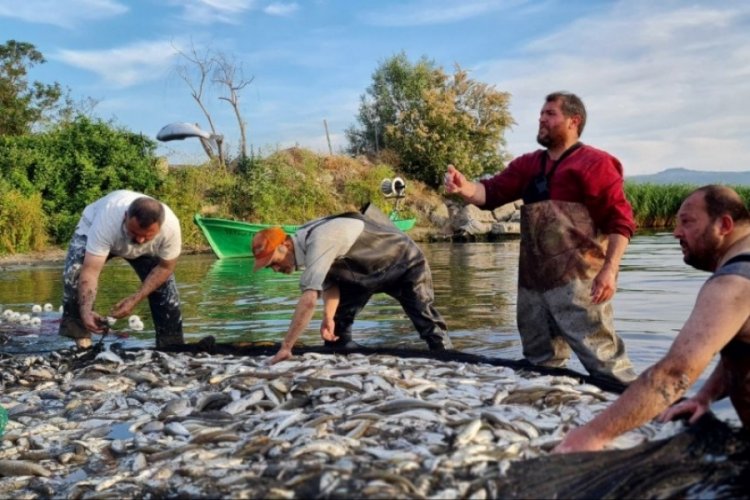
[290, 187]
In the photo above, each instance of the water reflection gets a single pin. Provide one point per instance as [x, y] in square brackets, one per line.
[475, 290]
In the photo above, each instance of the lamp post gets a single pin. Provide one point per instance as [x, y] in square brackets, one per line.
[182, 130]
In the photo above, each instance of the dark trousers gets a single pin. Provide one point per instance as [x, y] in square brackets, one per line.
[412, 288]
[164, 301]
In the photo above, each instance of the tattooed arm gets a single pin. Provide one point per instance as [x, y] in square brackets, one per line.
[87, 287]
[715, 388]
[720, 311]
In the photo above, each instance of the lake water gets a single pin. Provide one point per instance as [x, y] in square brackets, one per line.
[475, 290]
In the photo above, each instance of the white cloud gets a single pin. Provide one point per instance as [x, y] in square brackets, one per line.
[214, 11]
[663, 83]
[429, 12]
[66, 14]
[281, 9]
[124, 66]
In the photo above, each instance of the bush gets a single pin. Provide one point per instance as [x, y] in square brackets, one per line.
[76, 163]
[21, 222]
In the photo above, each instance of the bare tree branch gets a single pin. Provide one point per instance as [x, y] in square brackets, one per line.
[195, 73]
[229, 74]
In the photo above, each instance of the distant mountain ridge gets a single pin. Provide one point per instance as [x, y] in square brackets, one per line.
[693, 177]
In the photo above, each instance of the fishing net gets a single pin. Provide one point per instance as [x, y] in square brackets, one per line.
[707, 460]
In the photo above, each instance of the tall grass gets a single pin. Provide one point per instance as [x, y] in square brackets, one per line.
[656, 205]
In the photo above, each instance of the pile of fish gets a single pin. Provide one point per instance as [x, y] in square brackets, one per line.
[154, 424]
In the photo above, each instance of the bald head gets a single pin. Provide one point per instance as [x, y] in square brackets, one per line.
[722, 200]
[147, 211]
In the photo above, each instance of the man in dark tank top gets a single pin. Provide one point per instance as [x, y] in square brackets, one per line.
[713, 226]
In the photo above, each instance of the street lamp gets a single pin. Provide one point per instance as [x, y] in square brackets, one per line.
[182, 130]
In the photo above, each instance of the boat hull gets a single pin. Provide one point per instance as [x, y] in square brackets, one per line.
[231, 239]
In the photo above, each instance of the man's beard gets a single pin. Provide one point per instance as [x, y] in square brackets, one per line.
[549, 140]
[704, 257]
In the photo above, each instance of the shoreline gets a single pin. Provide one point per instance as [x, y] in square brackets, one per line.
[56, 255]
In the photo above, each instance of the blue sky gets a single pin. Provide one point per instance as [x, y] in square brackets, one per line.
[666, 83]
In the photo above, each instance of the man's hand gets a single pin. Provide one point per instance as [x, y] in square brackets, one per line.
[580, 439]
[93, 322]
[283, 354]
[124, 307]
[327, 330]
[455, 182]
[691, 407]
[604, 286]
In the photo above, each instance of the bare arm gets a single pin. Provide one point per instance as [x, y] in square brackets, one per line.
[156, 278]
[456, 183]
[331, 299]
[302, 315]
[720, 311]
[715, 388]
[605, 283]
[87, 288]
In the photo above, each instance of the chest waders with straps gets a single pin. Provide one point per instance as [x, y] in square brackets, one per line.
[561, 253]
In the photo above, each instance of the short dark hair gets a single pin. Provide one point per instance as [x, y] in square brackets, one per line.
[146, 211]
[721, 200]
[571, 105]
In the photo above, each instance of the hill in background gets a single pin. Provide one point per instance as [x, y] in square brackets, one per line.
[692, 177]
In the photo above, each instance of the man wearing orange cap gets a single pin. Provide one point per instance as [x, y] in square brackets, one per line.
[347, 258]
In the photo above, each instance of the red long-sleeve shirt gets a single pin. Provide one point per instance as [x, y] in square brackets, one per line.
[588, 176]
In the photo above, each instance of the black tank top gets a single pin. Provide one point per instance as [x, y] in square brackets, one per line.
[739, 265]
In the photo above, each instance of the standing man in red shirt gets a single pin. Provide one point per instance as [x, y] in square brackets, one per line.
[575, 226]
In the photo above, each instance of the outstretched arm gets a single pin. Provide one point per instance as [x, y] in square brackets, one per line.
[714, 389]
[331, 299]
[87, 288]
[156, 278]
[720, 311]
[456, 183]
[303, 313]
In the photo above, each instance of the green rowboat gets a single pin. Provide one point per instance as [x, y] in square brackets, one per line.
[231, 238]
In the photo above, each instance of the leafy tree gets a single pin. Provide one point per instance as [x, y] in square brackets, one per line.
[75, 163]
[431, 119]
[25, 104]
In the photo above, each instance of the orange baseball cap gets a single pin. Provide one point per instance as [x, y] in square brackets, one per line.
[265, 243]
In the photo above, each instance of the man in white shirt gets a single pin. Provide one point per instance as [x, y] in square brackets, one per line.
[146, 233]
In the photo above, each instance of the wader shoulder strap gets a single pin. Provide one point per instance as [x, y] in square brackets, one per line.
[557, 162]
[350, 215]
[743, 257]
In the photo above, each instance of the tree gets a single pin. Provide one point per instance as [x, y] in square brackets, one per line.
[229, 75]
[210, 67]
[26, 105]
[74, 163]
[195, 73]
[431, 119]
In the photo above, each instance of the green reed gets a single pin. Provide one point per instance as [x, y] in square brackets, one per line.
[656, 205]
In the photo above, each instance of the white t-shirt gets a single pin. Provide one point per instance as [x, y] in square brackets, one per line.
[103, 223]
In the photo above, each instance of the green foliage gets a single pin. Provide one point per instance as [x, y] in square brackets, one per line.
[656, 205]
[21, 221]
[431, 119]
[26, 104]
[362, 189]
[186, 191]
[286, 188]
[75, 163]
